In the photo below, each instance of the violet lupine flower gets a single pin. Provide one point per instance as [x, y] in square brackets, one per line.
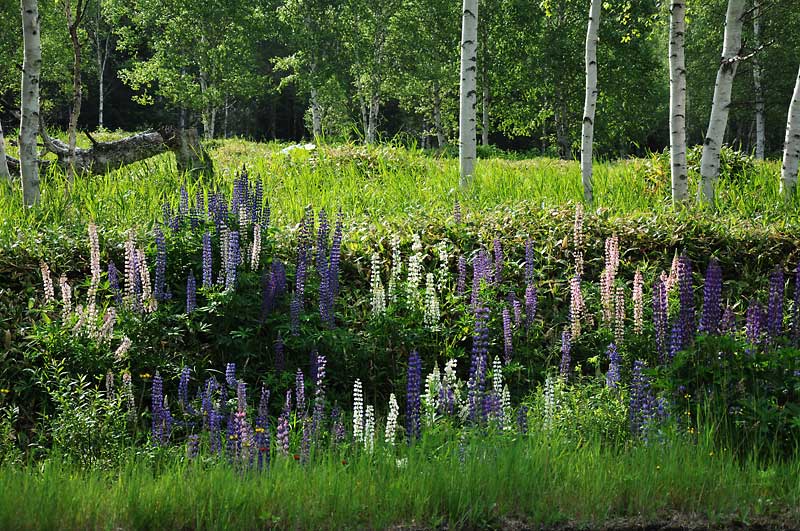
[319, 394]
[612, 376]
[796, 308]
[161, 266]
[283, 425]
[294, 315]
[267, 293]
[660, 318]
[522, 420]
[300, 392]
[162, 418]
[322, 242]
[461, 282]
[183, 391]
[498, 261]
[508, 346]
[336, 253]
[413, 390]
[517, 313]
[233, 260]
[280, 355]
[528, 262]
[207, 261]
[192, 446]
[305, 444]
[191, 293]
[199, 202]
[566, 348]
[183, 204]
[727, 323]
[113, 282]
[642, 403]
[775, 304]
[686, 296]
[457, 212]
[278, 271]
[676, 341]
[303, 249]
[477, 370]
[337, 431]
[262, 434]
[230, 375]
[755, 325]
[712, 299]
[531, 301]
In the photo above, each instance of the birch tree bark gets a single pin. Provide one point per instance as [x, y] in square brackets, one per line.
[467, 92]
[791, 149]
[677, 102]
[29, 118]
[590, 102]
[4, 173]
[720, 106]
[757, 83]
[316, 115]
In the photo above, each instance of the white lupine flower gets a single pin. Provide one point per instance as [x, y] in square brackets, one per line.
[430, 398]
[107, 330]
[444, 266]
[391, 420]
[149, 302]
[552, 393]
[122, 350]
[397, 269]
[358, 412]
[378, 293]
[131, 272]
[47, 281]
[94, 261]
[414, 270]
[369, 428]
[66, 295]
[255, 255]
[497, 376]
[431, 314]
[505, 404]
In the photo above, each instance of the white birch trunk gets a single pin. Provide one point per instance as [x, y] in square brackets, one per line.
[718, 121]
[757, 83]
[372, 117]
[677, 102]
[467, 92]
[316, 115]
[791, 149]
[29, 119]
[4, 173]
[590, 102]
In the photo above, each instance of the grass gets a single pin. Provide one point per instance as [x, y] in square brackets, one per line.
[539, 479]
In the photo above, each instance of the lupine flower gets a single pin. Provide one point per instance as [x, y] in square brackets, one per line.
[300, 392]
[431, 311]
[94, 261]
[47, 281]
[566, 348]
[255, 255]
[149, 302]
[612, 376]
[191, 293]
[522, 420]
[686, 298]
[192, 446]
[183, 391]
[444, 266]
[397, 269]
[638, 302]
[414, 270]
[577, 240]
[796, 308]
[122, 349]
[508, 346]
[183, 204]
[727, 322]
[113, 282]
[413, 390]
[497, 390]
[531, 301]
[109, 320]
[319, 393]
[457, 212]
[230, 375]
[608, 277]
[280, 356]
[756, 323]
[712, 299]
[159, 288]
[660, 317]
[369, 428]
[551, 393]
[279, 277]
[294, 314]
[262, 433]
[498, 261]
[305, 444]
[66, 295]
[461, 283]
[337, 430]
[267, 293]
[376, 287]
[322, 241]
[529, 262]
[576, 306]
[775, 304]
[358, 412]
[233, 260]
[162, 419]
[642, 403]
[127, 395]
[283, 433]
[619, 315]
[333, 262]
[676, 339]
[517, 307]
[207, 260]
[391, 420]
[133, 283]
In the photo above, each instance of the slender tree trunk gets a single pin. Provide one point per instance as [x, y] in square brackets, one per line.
[4, 173]
[77, 86]
[718, 121]
[437, 115]
[372, 110]
[467, 90]
[791, 149]
[485, 112]
[757, 83]
[590, 102]
[677, 103]
[100, 94]
[225, 120]
[316, 114]
[29, 119]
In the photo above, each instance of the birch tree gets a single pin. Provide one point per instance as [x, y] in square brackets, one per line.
[100, 35]
[4, 173]
[590, 101]
[791, 149]
[757, 83]
[73, 24]
[720, 106]
[467, 149]
[29, 117]
[677, 102]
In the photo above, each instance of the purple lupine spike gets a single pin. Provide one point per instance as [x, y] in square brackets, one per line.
[233, 260]
[612, 376]
[200, 203]
[113, 282]
[712, 299]
[528, 262]
[312, 364]
[162, 419]
[727, 323]
[686, 296]
[241, 396]
[278, 271]
[262, 434]
[517, 307]
[531, 301]
[498, 261]
[522, 420]
[325, 311]
[207, 261]
[508, 346]
[166, 210]
[191, 293]
[775, 304]
[461, 283]
[161, 265]
[183, 391]
[183, 205]
[336, 252]
[413, 389]
[796, 308]
[294, 315]
[280, 355]
[660, 318]
[230, 375]
[267, 293]
[566, 348]
[676, 341]
[305, 443]
[300, 393]
[477, 371]
[303, 248]
[755, 325]
[642, 403]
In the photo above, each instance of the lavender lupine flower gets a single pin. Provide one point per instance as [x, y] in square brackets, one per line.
[280, 355]
[267, 293]
[508, 346]
[283, 425]
[294, 315]
[278, 271]
[162, 418]
[676, 341]
[727, 323]
[305, 444]
[517, 307]
[566, 348]
[531, 301]
[755, 325]
[230, 375]
[461, 282]
[686, 296]
[207, 261]
[660, 317]
[183, 391]
[522, 420]
[612, 376]
[477, 371]
[159, 288]
[498, 261]
[712, 299]
[262, 434]
[303, 249]
[642, 403]
[796, 308]
[191, 293]
[413, 390]
[529, 262]
[775, 304]
[233, 260]
[300, 393]
[113, 282]
[333, 263]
